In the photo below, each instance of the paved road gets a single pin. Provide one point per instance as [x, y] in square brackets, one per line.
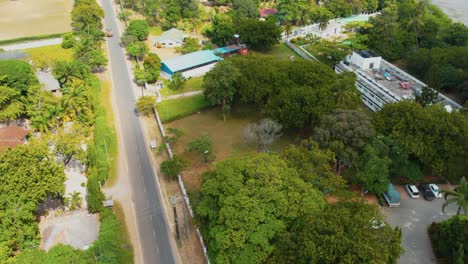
[33, 44]
[151, 221]
[414, 217]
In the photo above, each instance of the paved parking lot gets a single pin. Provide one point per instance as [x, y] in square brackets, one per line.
[414, 217]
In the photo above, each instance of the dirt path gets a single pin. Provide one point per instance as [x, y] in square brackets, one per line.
[175, 96]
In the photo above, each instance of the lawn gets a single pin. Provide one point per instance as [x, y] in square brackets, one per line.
[328, 52]
[173, 109]
[155, 31]
[32, 17]
[49, 53]
[227, 138]
[282, 51]
[192, 84]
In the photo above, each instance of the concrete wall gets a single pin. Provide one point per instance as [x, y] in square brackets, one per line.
[169, 43]
[365, 63]
[200, 71]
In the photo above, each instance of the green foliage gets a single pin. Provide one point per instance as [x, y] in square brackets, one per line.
[11, 102]
[427, 96]
[178, 82]
[145, 105]
[57, 254]
[448, 236]
[190, 45]
[434, 136]
[22, 188]
[313, 166]
[459, 196]
[127, 40]
[152, 61]
[142, 76]
[86, 16]
[246, 8]
[345, 132]
[68, 41]
[345, 232]
[172, 167]
[219, 85]
[222, 30]
[203, 147]
[138, 29]
[68, 144]
[18, 75]
[137, 49]
[259, 35]
[247, 202]
[66, 71]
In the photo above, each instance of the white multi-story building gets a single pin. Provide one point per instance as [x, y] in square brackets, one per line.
[380, 82]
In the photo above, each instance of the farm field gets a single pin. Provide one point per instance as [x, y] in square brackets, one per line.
[23, 18]
[49, 53]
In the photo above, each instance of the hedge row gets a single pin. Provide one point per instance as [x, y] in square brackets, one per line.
[30, 38]
[450, 239]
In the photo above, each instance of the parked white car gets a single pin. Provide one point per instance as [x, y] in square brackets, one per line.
[435, 189]
[412, 191]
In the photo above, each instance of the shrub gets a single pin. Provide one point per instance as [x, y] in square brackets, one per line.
[173, 167]
[145, 105]
[448, 236]
[138, 29]
[68, 41]
[203, 147]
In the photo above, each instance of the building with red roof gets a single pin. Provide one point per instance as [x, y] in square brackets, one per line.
[264, 12]
[12, 136]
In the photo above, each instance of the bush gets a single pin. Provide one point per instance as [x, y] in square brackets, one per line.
[172, 168]
[138, 29]
[19, 74]
[448, 236]
[177, 82]
[68, 41]
[203, 147]
[107, 249]
[145, 105]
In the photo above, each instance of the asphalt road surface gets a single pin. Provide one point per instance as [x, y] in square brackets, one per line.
[152, 226]
[414, 216]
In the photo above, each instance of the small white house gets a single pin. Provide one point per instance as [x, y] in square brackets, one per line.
[169, 39]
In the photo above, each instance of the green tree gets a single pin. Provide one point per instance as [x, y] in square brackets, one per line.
[345, 132]
[66, 71]
[68, 144]
[246, 8]
[313, 165]
[75, 200]
[95, 60]
[11, 105]
[86, 16]
[219, 85]
[178, 82]
[259, 35]
[428, 96]
[152, 61]
[190, 45]
[17, 75]
[68, 41]
[447, 236]
[28, 175]
[172, 167]
[247, 202]
[76, 102]
[145, 105]
[137, 49]
[344, 232]
[138, 29]
[142, 76]
[222, 29]
[203, 147]
[459, 196]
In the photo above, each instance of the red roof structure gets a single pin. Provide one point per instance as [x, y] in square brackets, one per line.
[264, 12]
[12, 136]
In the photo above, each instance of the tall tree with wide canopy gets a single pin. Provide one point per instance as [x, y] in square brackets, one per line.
[259, 35]
[247, 202]
[345, 132]
[219, 85]
[345, 232]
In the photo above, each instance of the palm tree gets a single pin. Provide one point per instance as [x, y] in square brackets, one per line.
[75, 200]
[459, 196]
[75, 100]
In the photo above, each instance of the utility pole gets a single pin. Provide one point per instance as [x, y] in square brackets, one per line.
[176, 220]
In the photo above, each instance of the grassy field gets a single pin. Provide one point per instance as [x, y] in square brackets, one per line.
[32, 17]
[49, 53]
[227, 138]
[192, 84]
[173, 109]
[155, 31]
[127, 252]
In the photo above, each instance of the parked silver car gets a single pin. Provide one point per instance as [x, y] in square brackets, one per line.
[435, 189]
[412, 191]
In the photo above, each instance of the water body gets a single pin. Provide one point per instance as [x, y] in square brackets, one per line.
[455, 9]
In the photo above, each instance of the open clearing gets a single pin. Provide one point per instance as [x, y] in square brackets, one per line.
[23, 18]
[49, 53]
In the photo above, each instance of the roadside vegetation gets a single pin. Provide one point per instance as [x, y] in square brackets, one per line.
[173, 109]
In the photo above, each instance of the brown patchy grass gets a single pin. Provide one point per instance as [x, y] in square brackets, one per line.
[227, 138]
[32, 17]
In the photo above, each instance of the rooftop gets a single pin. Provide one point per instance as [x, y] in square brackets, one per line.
[48, 80]
[172, 33]
[12, 136]
[367, 54]
[226, 49]
[264, 12]
[190, 60]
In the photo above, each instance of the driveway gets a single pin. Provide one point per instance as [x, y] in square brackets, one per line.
[414, 217]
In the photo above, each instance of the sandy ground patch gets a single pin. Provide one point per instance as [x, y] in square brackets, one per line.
[23, 18]
[76, 182]
[78, 229]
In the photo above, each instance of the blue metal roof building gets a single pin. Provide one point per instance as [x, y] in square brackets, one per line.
[189, 63]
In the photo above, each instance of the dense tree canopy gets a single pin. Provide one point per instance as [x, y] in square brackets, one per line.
[17, 75]
[138, 29]
[449, 239]
[439, 139]
[87, 15]
[259, 35]
[22, 188]
[247, 202]
[345, 232]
